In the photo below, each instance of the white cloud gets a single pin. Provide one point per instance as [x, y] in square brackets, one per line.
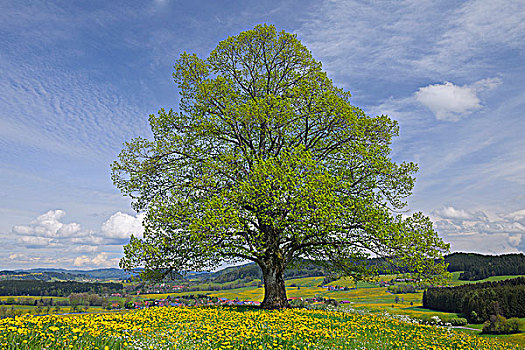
[451, 102]
[484, 243]
[515, 239]
[49, 229]
[103, 259]
[517, 215]
[49, 225]
[90, 239]
[479, 231]
[48, 241]
[70, 230]
[81, 260]
[452, 213]
[31, 261]
[85, 249]
[121, 225]
[100, 260]
[34, 242]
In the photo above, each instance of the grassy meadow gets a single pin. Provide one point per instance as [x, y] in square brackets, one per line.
[367, 297]
[231, 328]
[370, 321]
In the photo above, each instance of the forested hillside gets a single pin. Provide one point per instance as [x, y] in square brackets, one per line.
[41, 276]
[479, 300]
[253, 271]
[65, 275]
[41, 288]
[478, 266]
[474, 266]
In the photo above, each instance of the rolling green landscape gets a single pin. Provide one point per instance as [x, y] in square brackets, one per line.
[372, 297]
[227, 175]
[367, 298]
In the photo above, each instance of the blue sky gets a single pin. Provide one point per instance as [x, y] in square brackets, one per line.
[79, 78]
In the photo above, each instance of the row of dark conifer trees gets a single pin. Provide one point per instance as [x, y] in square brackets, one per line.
[478, 301]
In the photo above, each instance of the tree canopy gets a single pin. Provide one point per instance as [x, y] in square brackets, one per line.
[267, 161]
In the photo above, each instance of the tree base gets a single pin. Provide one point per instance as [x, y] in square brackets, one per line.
[275, 305]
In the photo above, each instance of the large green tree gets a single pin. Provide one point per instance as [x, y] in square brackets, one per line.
[267, 161]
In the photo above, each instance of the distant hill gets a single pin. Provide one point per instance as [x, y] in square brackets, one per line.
[62, 288]
[40, 276]
[47, 274]
[474, 266]
[477, 266]
[252, 271]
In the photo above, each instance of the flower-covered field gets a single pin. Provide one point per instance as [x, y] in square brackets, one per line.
[229, 328]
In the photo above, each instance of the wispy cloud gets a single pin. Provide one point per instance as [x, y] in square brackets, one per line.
[64, 113]
[361, 41]
[476, 33]
[394, 41]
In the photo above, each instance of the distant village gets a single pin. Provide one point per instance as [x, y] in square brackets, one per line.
[206, 300]
[215, 301]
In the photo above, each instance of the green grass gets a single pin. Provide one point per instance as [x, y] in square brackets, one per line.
[305, 282]
[368, 296]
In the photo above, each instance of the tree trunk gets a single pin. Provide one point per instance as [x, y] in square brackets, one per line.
[274, 290]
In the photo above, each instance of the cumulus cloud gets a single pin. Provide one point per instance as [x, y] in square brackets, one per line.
[48, 230]
[49, 241]
[34, 242]
[101, 260]
[451, 102]
[515, 240]
[81, 260]
[451, 212]
[477, 231]
[85, 249]
[517, 215]
[121, 225]
[49, 225]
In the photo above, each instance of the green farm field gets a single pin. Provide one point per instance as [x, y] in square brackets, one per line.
[456, 281]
